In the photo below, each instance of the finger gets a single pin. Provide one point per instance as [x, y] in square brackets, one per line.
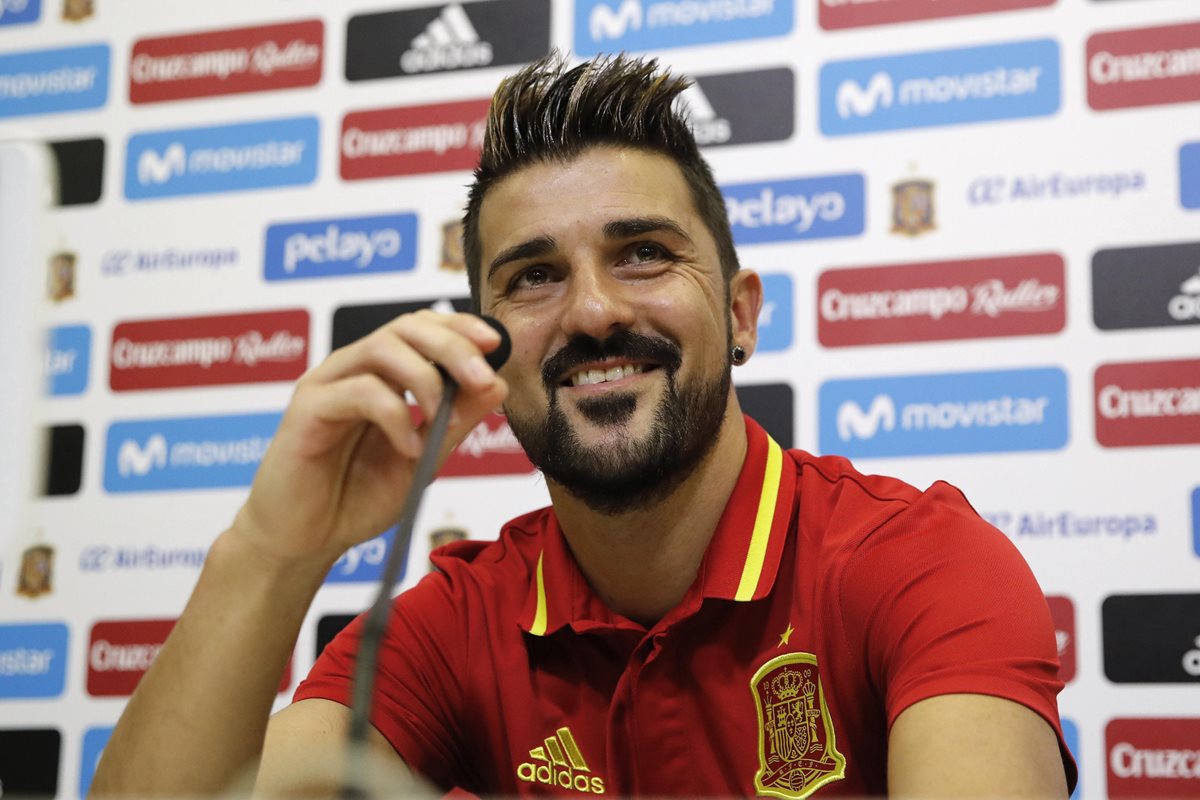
[368, 398]
[441, 339]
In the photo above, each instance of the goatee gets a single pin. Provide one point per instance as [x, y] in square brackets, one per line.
[624, 473]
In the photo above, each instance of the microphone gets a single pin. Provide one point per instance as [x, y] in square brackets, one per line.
[375, 624]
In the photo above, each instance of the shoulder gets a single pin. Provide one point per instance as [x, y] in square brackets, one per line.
[507, 561]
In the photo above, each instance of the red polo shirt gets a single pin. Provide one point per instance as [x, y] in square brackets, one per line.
[827, 603]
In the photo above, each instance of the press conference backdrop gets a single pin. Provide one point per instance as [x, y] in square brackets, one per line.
[977, 221]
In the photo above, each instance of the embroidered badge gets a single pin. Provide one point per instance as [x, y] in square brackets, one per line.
[797, 748]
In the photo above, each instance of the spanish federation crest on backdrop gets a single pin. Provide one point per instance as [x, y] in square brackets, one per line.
[797, 747]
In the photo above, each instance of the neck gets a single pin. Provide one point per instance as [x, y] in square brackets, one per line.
[641, 562]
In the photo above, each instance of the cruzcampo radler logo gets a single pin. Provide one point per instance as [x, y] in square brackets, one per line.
[797, 750]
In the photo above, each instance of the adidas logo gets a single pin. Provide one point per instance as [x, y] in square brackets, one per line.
[558, 762]
[707, 127]
[449, 42]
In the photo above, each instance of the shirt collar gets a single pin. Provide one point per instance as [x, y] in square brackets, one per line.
[740, 564]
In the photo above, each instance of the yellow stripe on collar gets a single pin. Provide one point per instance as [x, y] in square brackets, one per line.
[538, 628]
[767, 502]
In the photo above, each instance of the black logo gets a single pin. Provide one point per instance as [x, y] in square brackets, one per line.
[29, 762]
[454, 36]
[741, 107]
[1152, 638]
[1146, 287]
[328, 627]
[351, 323]
[80, 170]
[64, 460]
[771, 405]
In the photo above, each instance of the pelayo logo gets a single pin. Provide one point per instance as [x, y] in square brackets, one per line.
[1189, 175]
[186, 452]
[47, 81]
[799, 208]
[966, 412]
[19, 12]
[1196, 520]
[942, 87]
[611, 25]
[33, 660]
[363, 563]
[223, 158]
[94, 742]
[345, 246]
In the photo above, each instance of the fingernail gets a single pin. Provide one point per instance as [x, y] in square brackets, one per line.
[487, 330]
[479, 370]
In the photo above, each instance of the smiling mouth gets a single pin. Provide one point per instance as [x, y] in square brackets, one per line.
[592, 376]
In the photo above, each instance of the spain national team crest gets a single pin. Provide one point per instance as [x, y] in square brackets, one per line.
[912, 207]
[797, 748]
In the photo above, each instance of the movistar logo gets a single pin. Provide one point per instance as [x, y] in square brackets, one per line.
[558, 762]
[861, 101]
[852, 421]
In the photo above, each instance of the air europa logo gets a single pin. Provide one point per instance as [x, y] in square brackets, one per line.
[1144, 67]
[1148, 403]
[186, 452]
[226, 62]
[46, 81]
[412, 140]
[611, 25]
[345, 246]
[202, 351]
[835, 14]
[799, 208]
[1005, 296]
[454, 36]
[224, 158]
[944, 87]
[968, 412]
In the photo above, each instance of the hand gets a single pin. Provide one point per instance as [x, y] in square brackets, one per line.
[339, 466]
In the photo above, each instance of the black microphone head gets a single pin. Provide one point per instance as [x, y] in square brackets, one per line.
[499, 356]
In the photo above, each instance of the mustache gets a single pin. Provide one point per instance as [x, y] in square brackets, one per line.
[623, 344]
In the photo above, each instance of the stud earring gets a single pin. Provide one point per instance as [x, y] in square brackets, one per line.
[737, 354]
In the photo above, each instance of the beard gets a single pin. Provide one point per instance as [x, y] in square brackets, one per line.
[625, 473]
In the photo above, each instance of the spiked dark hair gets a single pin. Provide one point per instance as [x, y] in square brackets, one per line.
[547, 113]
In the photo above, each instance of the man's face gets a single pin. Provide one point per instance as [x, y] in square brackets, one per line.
[610, 285]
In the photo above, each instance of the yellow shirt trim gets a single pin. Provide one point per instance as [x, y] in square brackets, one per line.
[762, 523]
[539, 617]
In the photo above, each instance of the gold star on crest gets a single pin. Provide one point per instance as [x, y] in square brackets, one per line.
[783, 637]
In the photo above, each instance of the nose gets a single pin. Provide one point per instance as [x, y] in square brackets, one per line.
[597, 303]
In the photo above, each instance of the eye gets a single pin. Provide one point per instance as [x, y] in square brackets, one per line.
[530, 277]
[644, 252]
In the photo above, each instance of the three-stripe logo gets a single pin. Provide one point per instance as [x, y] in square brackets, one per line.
[559, 762]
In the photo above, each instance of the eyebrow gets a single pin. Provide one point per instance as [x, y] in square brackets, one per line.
[616, 229]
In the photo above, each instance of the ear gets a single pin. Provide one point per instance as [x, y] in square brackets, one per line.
[745, 303]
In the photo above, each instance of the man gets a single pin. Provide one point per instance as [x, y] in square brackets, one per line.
[698, 613]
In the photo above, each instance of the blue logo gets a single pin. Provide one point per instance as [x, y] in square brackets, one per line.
[775, 319]
[1189, 175]
[364, 562]
[17, 12]
[226, 158]
[68, 351]
[966, 412]
[603, 26]
[1196, 519]
[943, 87]
[187, 452]
[46, 81]
[800, 208]
[33, 660]
[347, 246]
[94, 742]
[1071, 736]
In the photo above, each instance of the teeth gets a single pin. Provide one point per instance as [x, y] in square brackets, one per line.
[593, 376]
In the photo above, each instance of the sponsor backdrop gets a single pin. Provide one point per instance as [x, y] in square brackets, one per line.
[978, 223]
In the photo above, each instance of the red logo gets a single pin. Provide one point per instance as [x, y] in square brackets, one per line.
[1145, 67]
[1062, 611]
[412, 140]
[1153, 757]
[1008, 296]
[854, 13]
[226, 62]
[119, 653]
[204, 351]
[1154, 402]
